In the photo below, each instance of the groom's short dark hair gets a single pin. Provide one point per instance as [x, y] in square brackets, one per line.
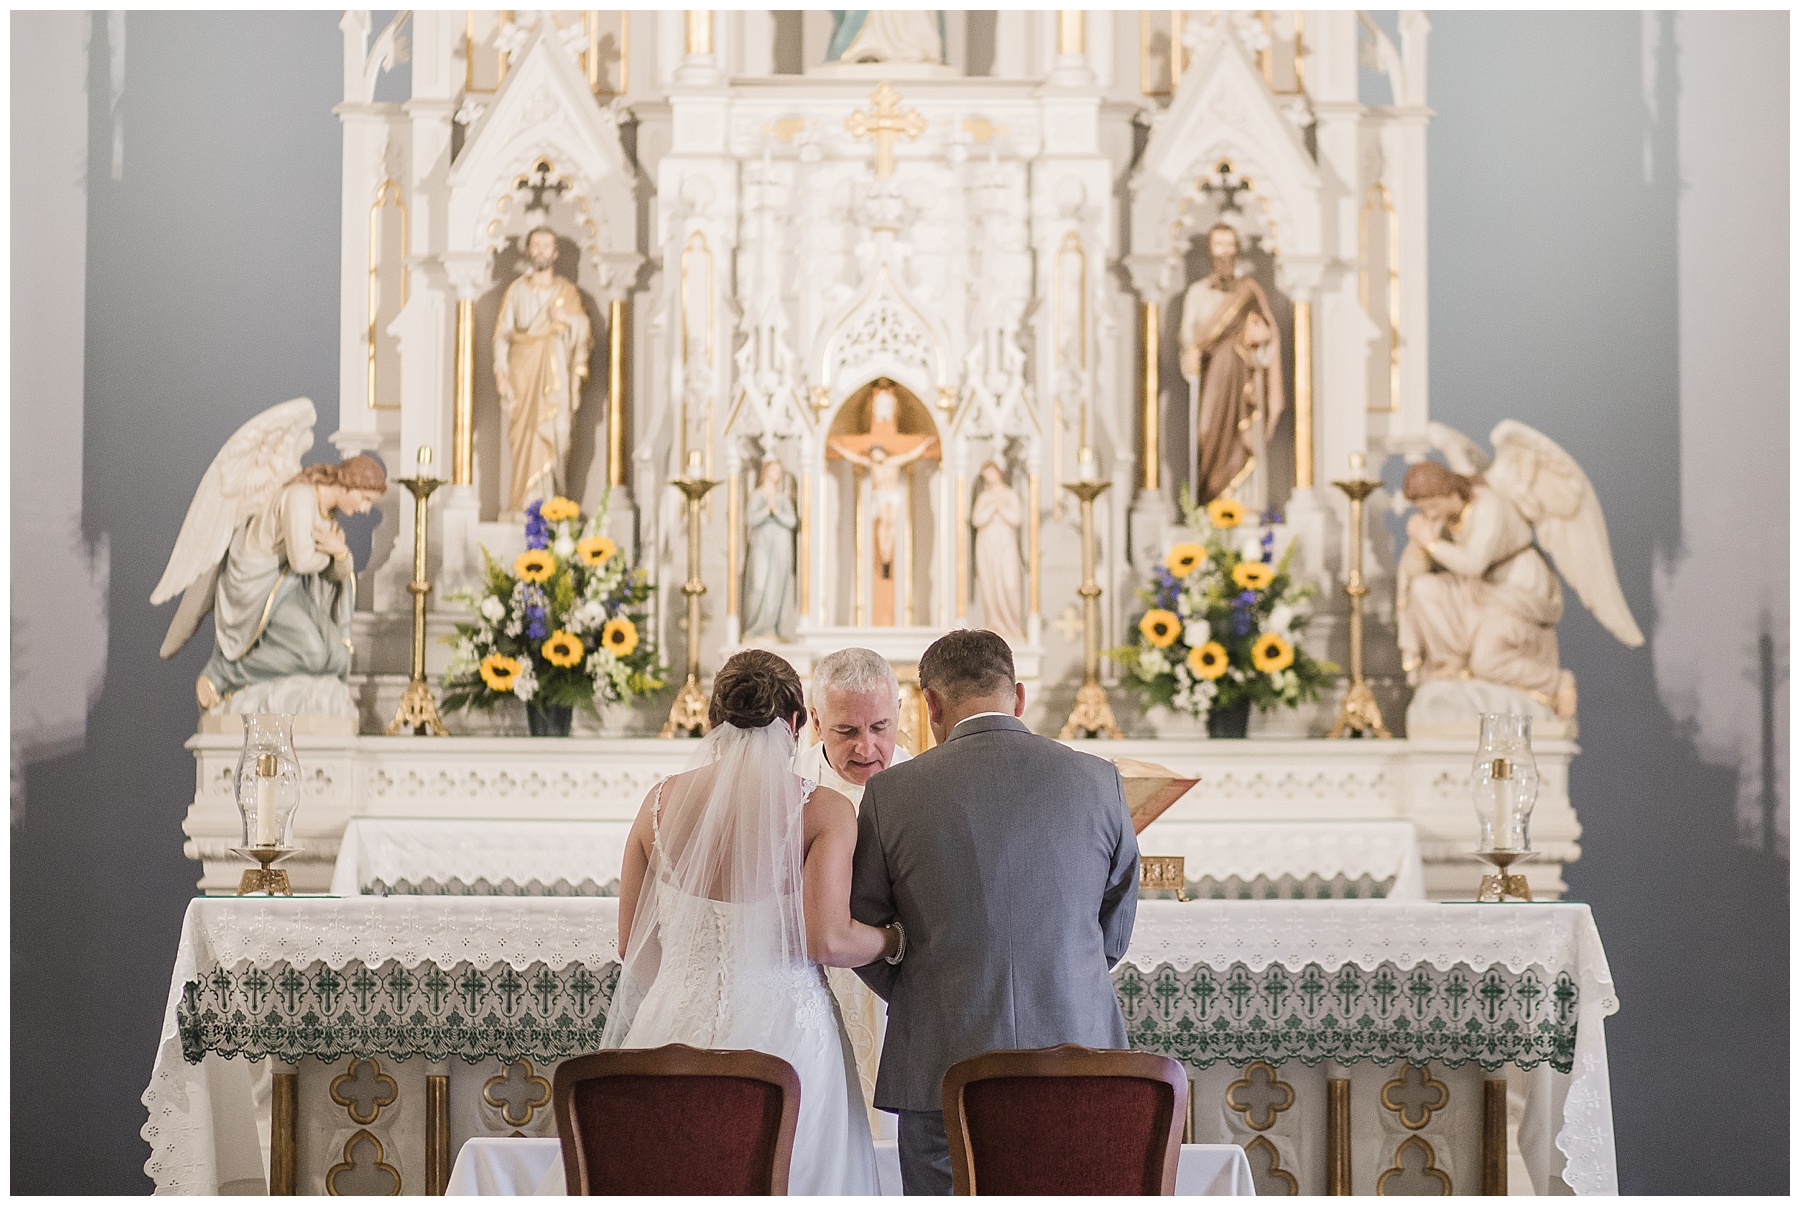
[968, 661]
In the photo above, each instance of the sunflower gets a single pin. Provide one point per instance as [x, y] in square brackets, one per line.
[1185, 558]
[559, 509]
[1160, 627]
[595, 551]
[1271, 653]
[619, 636]
[1208, 660]
[535, 565]
[499, 672]
[1252, 575]
[563, 649]
[1225, 512]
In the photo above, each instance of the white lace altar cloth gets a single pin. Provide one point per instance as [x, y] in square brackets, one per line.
[479, 858]
[1272, 850]
[202, 1116]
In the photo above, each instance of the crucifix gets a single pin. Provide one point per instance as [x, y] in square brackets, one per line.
[883, 124]
[883, 450]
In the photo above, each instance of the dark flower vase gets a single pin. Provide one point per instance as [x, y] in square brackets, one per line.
[1230, 721]
[550, 720]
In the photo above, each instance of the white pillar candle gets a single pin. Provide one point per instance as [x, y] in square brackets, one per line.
[267, 834]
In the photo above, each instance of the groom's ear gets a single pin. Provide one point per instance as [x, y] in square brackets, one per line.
[934, 705]
[1018, 699]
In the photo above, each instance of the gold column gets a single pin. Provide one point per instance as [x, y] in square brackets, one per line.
[1493, 1138]
[615, 393]
[1337, 1138]
[284, 1134]
[687, 715]
[699, 30]
[437, 1134]
[731, 544]
[1303, 399]
[462, 431]
[1092, 714]
[1152, 398]
[1071, 31]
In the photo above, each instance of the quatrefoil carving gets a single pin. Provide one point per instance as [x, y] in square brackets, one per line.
[1415, 1172]
[363, 1090]
[1266, 1174]
[364, 1172]
[1261, 1094]
[517, 1093]
[1414, 1095]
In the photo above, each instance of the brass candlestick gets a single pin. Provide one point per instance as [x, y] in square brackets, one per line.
[1093, 714]
[687, 715]
[1502, 884]
[1360, 715]
[261, 878]
[418, 707]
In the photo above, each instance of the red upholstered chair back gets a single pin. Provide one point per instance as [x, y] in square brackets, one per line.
[1065, 1120]
[676, 1120]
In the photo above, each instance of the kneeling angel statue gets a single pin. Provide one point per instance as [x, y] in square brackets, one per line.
[1478, 599]
[261, 551]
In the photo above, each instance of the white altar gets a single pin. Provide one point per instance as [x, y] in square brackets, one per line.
[352, 1045]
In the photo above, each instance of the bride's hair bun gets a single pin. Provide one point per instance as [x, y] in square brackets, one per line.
[753, 689]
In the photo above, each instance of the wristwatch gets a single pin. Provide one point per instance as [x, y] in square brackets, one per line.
[901, 952]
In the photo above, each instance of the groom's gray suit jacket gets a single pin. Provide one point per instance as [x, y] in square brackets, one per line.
[1011, 861]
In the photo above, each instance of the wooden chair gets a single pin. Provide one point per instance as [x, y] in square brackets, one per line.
[1065, 1120]
[676, 1120]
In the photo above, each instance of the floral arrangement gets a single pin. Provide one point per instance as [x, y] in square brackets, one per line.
[1222, 624]
[565, 624]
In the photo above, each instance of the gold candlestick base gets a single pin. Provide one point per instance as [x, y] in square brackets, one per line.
[1093, 715]
[262, 878]
[1359, 715]
[1503, 885]
[418, 712]
[687, 715]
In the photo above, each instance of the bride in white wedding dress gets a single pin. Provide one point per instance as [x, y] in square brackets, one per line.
[735, 890]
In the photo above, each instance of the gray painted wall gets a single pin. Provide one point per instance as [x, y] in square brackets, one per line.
[1556, 278]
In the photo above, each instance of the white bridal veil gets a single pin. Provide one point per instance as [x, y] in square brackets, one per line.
[719, 927]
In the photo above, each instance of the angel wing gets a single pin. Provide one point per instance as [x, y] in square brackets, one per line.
[1463, 454]
[258, 458]
[1547, 485]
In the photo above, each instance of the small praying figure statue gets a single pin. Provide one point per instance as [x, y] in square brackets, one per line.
[997, 515]
[770, 523]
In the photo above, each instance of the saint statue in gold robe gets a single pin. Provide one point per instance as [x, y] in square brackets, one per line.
[542, 342]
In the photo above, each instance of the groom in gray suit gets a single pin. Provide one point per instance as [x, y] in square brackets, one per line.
[1010, 861]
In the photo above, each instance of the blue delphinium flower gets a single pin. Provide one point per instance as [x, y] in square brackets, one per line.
[537, 625]
[537, 529]
[1166, 588]
[1241, 621]
[1268, 544]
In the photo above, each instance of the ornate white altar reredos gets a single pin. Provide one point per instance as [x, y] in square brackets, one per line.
[884, 277]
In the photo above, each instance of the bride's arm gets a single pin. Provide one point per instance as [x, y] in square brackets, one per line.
[631, 873]
[832, 938]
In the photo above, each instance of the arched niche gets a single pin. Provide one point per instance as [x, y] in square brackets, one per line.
[849, 540]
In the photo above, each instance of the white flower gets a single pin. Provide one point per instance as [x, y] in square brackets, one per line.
[1252, 547]
[1196, 632]
[1152, 662]
[526, 685]
[493, 609]
[587, 617]
[1281, 620]
[564, 544]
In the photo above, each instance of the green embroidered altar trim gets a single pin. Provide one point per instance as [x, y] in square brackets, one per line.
[1200, 1016]
[1496, 1017]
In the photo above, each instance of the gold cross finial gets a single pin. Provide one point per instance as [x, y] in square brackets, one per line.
[882, 124]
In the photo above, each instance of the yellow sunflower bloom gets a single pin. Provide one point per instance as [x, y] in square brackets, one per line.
[1225, 512]
[559, 509]
[1209, 660]
[563, 649]
[499, 672]
[1185, 558]
[595, 551]
[1160, 627]
[619, 636]
[535, 565]
[1252, 575]
[1271, 653]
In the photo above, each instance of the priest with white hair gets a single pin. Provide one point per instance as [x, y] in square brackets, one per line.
[855, 713]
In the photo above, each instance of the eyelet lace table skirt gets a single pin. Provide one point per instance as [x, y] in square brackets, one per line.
[448, 977]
